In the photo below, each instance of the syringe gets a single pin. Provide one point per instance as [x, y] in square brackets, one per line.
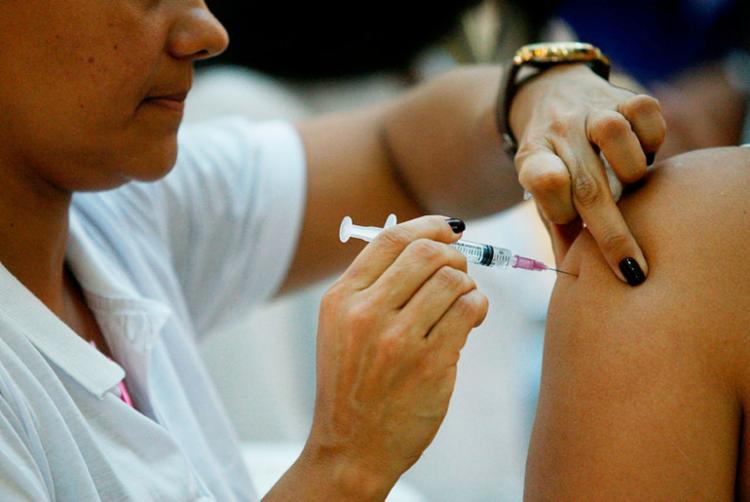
[481, 254]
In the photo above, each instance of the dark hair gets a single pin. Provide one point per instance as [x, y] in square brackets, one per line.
[331, 39]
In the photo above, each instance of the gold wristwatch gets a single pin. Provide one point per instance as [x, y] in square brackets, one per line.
[539, 57]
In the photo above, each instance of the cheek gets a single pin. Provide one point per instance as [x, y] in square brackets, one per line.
[113, 73]
[70, 88]
[87, 80]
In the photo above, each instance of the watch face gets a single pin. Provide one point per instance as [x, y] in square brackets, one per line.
[558, 52]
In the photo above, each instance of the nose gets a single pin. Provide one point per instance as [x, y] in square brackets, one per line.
[197, 34]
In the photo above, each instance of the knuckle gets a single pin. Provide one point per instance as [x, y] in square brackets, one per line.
[468, 305]
[525, 151]
[559, 215]
[644, 105]
[450, 278]
[361, 316]
[613, 242]
[526, 175]
[425, 249]
[611, 127]
[529, 146]
[397, 237]
[461, 261]
[586, 189]
[560, 124]
[331, 299]
[548, 182]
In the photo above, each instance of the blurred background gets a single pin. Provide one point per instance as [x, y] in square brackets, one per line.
[291, 60]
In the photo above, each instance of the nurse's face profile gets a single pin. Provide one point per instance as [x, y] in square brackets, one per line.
[91, 91]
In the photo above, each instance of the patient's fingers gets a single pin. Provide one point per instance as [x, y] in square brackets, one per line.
[644, 114]
[613, 134]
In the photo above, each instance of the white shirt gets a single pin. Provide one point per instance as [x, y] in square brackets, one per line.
[160, 264]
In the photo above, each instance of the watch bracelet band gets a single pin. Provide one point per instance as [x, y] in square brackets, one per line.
[509, 88]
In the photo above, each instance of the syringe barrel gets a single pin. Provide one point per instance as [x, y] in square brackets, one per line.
[484, 254]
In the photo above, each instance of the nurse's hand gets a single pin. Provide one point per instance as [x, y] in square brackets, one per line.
[563, 119]
[389, 337]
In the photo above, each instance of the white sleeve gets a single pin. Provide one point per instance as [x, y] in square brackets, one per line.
[229, 213]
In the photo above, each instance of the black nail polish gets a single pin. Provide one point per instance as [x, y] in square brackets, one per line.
[650, 157]
[456, 224]
[632, 271]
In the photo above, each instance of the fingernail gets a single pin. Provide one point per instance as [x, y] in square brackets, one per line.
[650, 157]
[632, 271]
[456, 224]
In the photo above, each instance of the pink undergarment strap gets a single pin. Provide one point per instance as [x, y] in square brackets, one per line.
[124, 394]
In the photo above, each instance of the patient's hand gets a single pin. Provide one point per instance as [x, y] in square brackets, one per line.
[644, 390]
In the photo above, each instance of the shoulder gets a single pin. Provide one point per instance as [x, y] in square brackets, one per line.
[640, 386]
[692, 219]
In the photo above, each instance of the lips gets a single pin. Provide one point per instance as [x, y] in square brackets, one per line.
[175, 102]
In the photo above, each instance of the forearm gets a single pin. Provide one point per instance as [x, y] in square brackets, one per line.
[443, 144]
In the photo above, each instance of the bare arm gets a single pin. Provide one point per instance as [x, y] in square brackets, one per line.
[435, 149]
[642, 391]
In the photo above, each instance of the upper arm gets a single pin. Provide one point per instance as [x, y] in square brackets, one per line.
[434, 149]
[349, 173]
[642, 389]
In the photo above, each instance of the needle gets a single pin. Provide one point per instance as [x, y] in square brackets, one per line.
[562, 272]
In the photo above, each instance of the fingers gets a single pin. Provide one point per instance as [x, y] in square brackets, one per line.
[545, 176]
[613, 134]
[422, 261]
[645, 117]
[452, 330]
[390, 243]
[569, 126]
[430, 303]
[597, 208]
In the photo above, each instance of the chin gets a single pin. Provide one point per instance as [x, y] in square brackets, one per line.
[146, 160]
[153, 167]
[109, 171]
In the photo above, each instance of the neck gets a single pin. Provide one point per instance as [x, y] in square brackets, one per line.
[34, 232]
